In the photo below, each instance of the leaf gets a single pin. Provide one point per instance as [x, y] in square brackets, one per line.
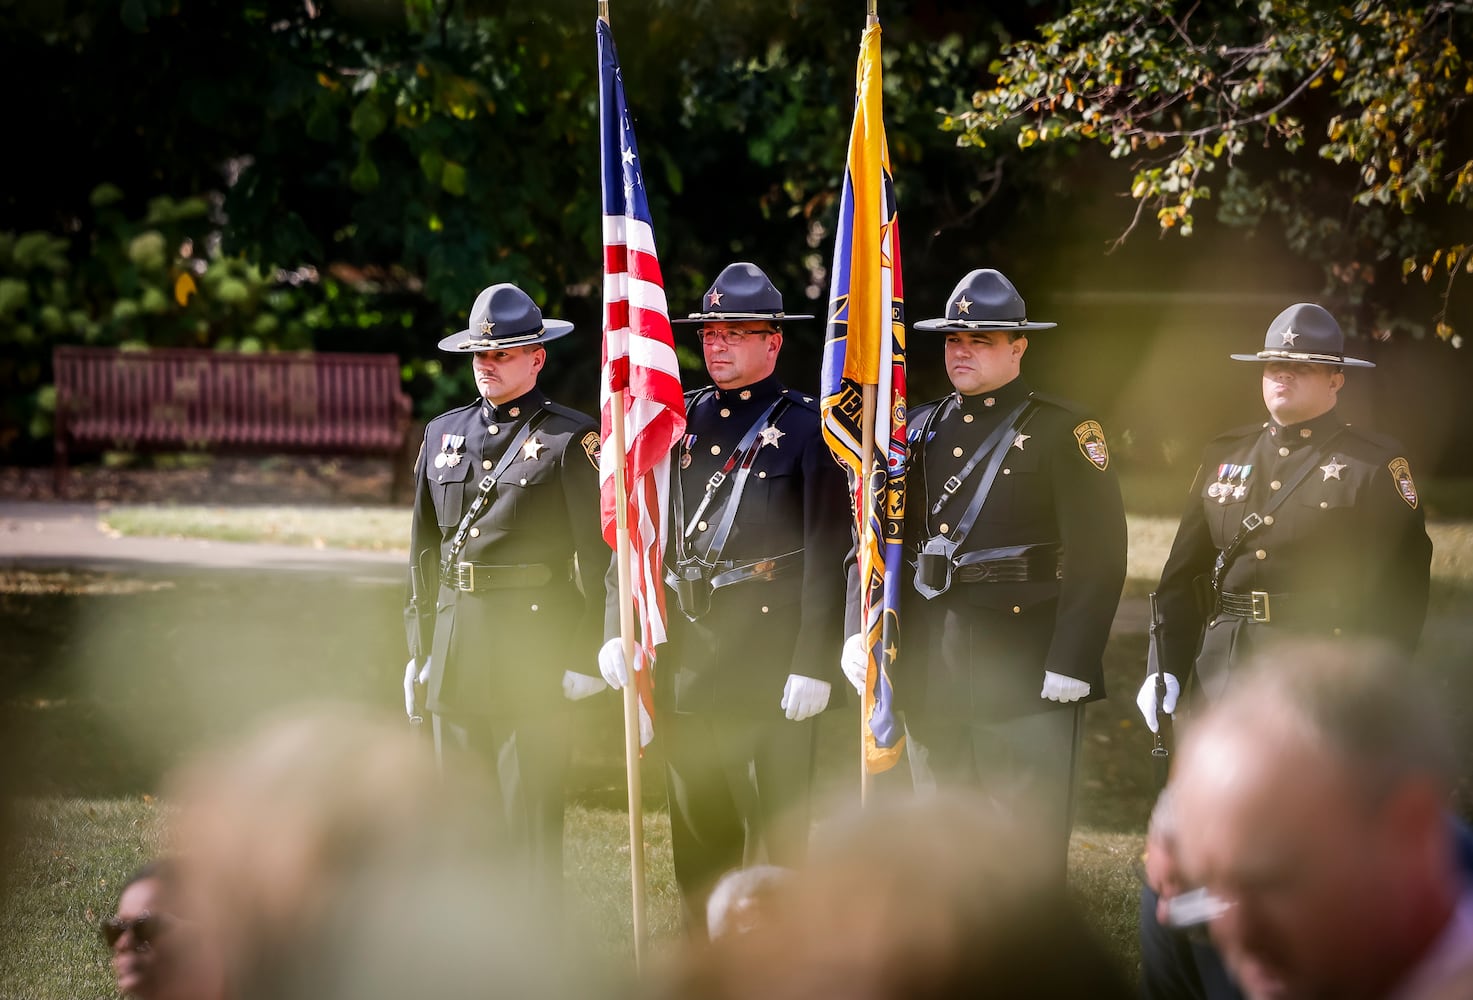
[453, 179]
[368, 119]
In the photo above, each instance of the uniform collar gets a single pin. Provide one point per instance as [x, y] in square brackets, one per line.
[513, 409]
[764, 389]
[1306, 432]
[999, 400]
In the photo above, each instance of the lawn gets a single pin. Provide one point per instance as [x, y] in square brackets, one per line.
[108, 680]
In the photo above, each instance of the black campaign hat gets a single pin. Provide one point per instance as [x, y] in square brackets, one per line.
[741, 293]
[1306, 333]
[504, 316]
[984, 300]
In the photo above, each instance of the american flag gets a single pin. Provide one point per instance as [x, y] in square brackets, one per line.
[866, 347]
[638, 361]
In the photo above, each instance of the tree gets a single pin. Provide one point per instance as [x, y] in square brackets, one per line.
[1345, 123]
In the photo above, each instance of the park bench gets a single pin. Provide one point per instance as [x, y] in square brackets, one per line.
[187, 399]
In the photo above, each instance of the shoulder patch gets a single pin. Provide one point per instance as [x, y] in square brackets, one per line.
[1401, 475]
[590, 443]
[1091, 438]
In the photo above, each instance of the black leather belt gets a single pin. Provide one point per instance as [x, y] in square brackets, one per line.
[1260, 606]
[469, 577]
[729, 571]
[1020, 564]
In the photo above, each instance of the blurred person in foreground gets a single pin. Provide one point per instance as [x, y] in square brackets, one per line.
[1302, 524]
[1311, 807]
[940, 896]
[506, 565]
[157, 952]
[326, 857]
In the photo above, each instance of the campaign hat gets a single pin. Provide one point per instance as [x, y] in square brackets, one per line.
[984, 300]
[1305, 333]
[504, 316]
[741, 293]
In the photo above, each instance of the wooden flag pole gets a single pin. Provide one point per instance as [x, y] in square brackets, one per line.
[626, 633]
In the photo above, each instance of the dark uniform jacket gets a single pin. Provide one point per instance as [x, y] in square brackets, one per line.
[736, 658]
[1344, 552]
[504, 629]
[980, 650]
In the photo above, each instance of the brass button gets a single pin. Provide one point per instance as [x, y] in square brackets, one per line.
[475, 532]
[1283, 451]
[534, 607]
[989, 401]
[524, 481]
[764, 609]
[725, 412]
[716, 449]
[486, 464]
[1017, 610]
[968, 418]
[1275, 485]
[956, 452]
[1324, 505]
[762, 474]
[493, 429]
[1260, 554]
[945, 528]
[700, 525]
[1268, 519]
[1007, 472]
[1335, 631]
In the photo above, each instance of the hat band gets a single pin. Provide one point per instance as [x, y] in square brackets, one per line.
[984, 324]
[1337, 359]
[736, 314]
[517, 341]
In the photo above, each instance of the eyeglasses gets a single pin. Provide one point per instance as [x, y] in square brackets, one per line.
[146, 928]
[731, 338]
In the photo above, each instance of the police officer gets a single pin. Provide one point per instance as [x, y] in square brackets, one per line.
[1015, 527]
[507, 568]
[1302, 524]
[754, 560]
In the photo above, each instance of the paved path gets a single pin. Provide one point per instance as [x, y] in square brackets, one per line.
[34, 533]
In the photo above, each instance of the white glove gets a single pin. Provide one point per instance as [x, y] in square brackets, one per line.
[804, 697]
[646, 727]
[414, 683]
[1057, 687]
[854, 661]
[1145, 699]
[578, 686]
[611, 664]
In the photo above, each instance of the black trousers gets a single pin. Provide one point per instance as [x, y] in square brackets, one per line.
[1025, 766]
[738, 790]
[525, 762]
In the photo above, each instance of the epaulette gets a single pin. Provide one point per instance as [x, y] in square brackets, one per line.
[1067, 405]
[1247, 430]
[691, 394]
[468, 407]
[1384, 441]
[576, 416]
[801, 399]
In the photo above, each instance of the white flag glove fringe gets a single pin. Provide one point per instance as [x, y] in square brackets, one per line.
[804, 697]
[611, 664]
[578, 686]
[1145, 699]
[1058, 687]
[414, 683]
[854, 661]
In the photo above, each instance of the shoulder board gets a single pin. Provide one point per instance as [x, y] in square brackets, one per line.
[576, 416]
[1064, 404]
[1383, 441]
[691, 394]
[920, 411]
[1247, 430]
[458, 411]
[802, 399]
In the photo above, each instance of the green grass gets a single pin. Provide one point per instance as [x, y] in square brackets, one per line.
[376, 528]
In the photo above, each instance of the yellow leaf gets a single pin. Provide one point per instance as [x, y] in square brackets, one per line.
[184, 287]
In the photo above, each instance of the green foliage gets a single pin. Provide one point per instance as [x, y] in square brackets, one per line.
[1376, 91]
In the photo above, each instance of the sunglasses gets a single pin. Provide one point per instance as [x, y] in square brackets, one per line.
[146, 928]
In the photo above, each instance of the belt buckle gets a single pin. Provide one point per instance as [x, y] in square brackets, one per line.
[952, 485]
[465, 577]
[1260, 606]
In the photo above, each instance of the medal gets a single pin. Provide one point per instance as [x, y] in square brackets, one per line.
[685, 460]
[452, 459]
[440, 460]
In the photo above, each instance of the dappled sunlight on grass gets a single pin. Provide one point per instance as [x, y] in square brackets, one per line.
[373, 528]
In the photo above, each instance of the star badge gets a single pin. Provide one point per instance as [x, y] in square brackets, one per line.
[1018, 441]
[1289, 337]
[715, 299]
[531, 448]
[963, 305]
[487, 327]
[770, 436]
[1332, 471]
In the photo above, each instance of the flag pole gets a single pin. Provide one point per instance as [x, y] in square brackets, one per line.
[866, 457]
[626, 633]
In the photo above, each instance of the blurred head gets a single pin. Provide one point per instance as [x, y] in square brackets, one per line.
[1311, 800]
[1295, 391]
[157, 954]
[503, 375]
[329, 857]
[744, 898]
[979, 361]
[932, 897]
[740, 353]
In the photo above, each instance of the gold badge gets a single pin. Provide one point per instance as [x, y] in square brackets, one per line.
[590, 445]
[1091, 438]
[1401, 474]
